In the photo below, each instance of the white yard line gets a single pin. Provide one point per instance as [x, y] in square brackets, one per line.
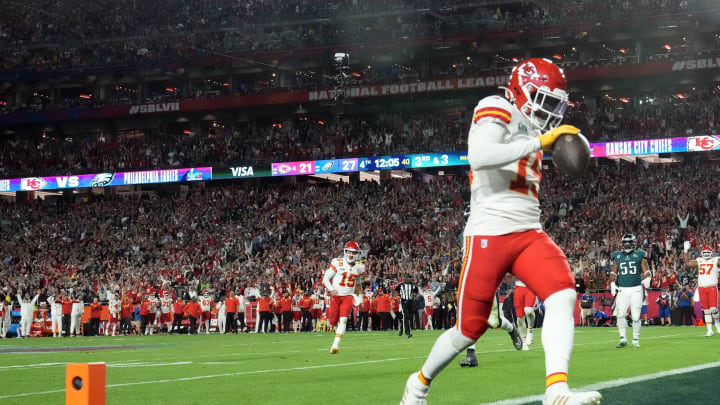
[201, 377]
[126, 364]
[614, 383]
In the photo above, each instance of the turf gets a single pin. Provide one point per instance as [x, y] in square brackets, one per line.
[371, 367]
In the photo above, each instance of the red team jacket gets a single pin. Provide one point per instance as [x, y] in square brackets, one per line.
[383, 303]
[286, 304]
[144, 310]
[193, 309]
[126, 310]
[95, 310]
[263, 304]
[178, 307]
[231, 305]
[67, 307]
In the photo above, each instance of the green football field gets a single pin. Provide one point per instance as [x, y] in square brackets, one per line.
[674, 364]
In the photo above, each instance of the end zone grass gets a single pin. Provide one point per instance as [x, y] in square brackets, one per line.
[371, 367]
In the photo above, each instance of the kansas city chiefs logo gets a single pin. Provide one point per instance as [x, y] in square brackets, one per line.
[700, 143]
[101, 179]
[529, 70]
[32, 183]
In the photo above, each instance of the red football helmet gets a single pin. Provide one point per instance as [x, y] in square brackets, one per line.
[350, 251]
[539, 90]
[706, 252]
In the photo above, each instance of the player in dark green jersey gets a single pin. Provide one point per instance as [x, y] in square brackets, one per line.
[629, 271]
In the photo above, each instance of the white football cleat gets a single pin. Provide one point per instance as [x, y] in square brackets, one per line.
[574, 398]
[525, 346]
[709, 334]
[334, 350]
[636, 344]
[415, 391]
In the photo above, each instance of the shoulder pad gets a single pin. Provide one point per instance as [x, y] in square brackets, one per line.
[493, 108]
[642, 252]
[615, 254]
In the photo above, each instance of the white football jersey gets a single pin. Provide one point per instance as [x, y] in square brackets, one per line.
[205, 303]
[114, 307]
[429, 298]
[317, 304]
[504, 199]
[165, 305]
[707, 272]
[344, 279]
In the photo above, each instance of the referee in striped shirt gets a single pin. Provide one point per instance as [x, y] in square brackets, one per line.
[408, 291]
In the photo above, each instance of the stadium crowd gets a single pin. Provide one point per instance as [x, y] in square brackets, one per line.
[248, 237]
[698, 112]
[45, 35]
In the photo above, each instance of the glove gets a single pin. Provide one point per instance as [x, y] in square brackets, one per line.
[686, 246]
[548, 139]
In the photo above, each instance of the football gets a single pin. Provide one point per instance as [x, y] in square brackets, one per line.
[571, 154]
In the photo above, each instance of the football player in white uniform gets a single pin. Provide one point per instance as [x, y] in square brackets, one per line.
[56, 315]
[707, 266]
[503, 232]
[430, 299]
[114, 309]
[166, 316]
[206, 303]
[340, 281]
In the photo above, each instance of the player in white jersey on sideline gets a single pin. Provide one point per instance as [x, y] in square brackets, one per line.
[114, 306]
[503, 232]
[166, 316]
[707, 266]
[430, 297]
[56, 315]
[206, 303]
[27, 308]
[341, 280]
[78, 308]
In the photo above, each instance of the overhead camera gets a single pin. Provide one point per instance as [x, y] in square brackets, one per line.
[342, 60]
[342, 64]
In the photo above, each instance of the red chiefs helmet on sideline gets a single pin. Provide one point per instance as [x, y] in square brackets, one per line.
[351, 249]
[706, 252]
[539, 90]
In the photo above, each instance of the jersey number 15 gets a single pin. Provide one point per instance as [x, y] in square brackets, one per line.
[348, 280]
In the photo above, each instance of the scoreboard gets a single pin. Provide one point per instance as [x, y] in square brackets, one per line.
[368, 164]
[637, 147]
